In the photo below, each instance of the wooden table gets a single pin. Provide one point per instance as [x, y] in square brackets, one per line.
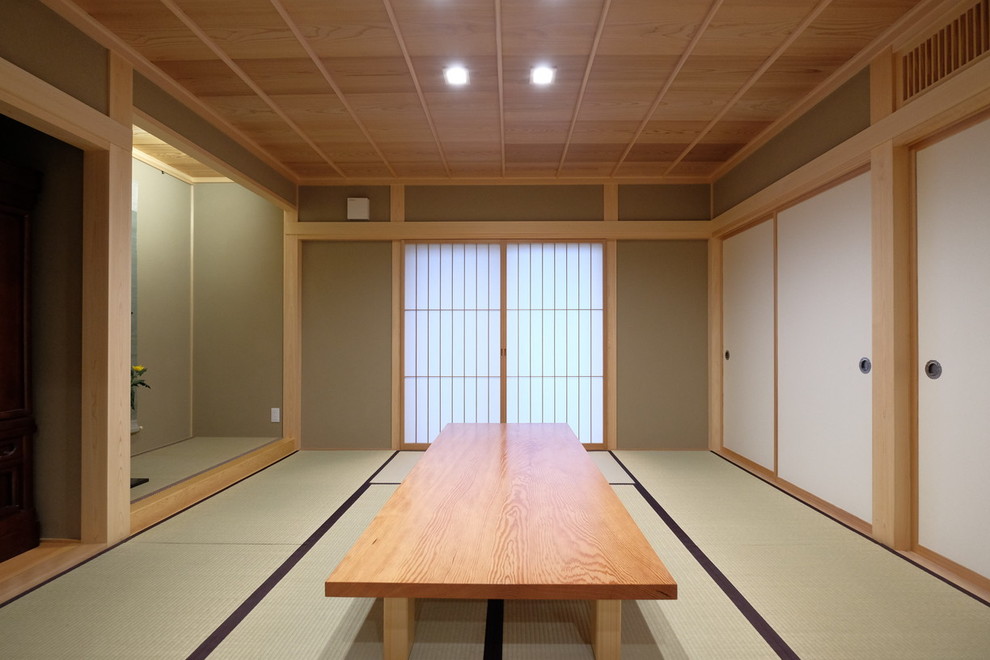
[503, 511]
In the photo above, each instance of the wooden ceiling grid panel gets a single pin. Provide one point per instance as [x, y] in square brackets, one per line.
[353, 89]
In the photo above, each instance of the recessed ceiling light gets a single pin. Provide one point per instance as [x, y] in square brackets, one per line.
[542, 75]
[456, 75]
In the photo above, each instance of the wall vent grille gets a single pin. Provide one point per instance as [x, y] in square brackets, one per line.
[961, 42]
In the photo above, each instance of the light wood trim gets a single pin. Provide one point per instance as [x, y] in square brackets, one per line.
[155, 508]
[120, 77]
[882, 86]
[801, 494]
[966, 93]
[507, 180]
[610, 195]
[589, 230]
[893, 345]
[158, 129]
[606, 629]
[397, 347]
[106, 341]
[398, 631]
[715, 366]
[753, 79]
[31, 568]
[408, 549]
[165, 168]
[950, 570]
[397, 203]
[611, 346]
[292, 357]
[37, 104]
[92, 28]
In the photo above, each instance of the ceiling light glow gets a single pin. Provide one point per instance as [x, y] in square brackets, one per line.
[456, 75]
[542, 75]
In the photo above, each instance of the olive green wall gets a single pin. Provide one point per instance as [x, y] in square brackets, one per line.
[56, 322]
[237, 312]
[458, 203]
[63, 57]
[662, 344]
[329, 203]
[164, 308]
[838, 117]
[347, 345]
[665, 202]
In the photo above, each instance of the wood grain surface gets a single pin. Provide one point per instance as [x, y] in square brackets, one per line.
[515, 511]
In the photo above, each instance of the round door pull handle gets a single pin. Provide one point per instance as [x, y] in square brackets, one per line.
[933, 369]
[726, 354]
[865, 365]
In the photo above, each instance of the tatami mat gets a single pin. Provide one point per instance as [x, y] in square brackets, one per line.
[398, 468]
[171, 464]
[613, 472]
[828, 592]
[140, 600]
[284, 503]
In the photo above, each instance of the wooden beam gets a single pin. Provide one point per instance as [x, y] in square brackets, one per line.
[715, 344]
[397, 203]
[893, 346]
[396, 344]
[611, 351]
[106, 341]
[610, 193]
[882, 86]
[37, 104]
[591, 230]
[292, 335]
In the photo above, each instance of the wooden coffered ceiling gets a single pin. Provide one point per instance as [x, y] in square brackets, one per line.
[334, 91]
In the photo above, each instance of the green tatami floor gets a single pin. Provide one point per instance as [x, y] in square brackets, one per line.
[241, 574]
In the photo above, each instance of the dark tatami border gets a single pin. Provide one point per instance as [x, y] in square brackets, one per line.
[762, 626]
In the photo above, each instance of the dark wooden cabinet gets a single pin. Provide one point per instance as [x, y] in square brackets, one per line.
[18, 520]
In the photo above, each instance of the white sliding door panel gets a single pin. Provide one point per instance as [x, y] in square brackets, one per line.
[747, 330]
[953, 188]
[824, 328]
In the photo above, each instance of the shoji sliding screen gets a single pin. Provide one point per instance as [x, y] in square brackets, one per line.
[452, 330]
[519, 344]
[554, 326]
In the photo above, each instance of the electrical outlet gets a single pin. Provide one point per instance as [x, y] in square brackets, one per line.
[276, 415]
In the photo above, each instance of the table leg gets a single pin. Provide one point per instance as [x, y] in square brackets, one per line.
[400, 622]
[606, 629]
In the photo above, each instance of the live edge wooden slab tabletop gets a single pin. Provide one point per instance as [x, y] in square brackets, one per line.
[505, 511]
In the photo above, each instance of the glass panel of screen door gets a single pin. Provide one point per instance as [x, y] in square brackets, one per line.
[452, 337]
[452, 333]
[554, 343]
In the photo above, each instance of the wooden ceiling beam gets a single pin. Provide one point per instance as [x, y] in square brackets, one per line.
[501, 85]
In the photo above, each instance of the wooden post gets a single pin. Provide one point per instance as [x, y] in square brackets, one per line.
[715, 344]
[606, 629]
[400, 624]
[893, 346]
[292, 333]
